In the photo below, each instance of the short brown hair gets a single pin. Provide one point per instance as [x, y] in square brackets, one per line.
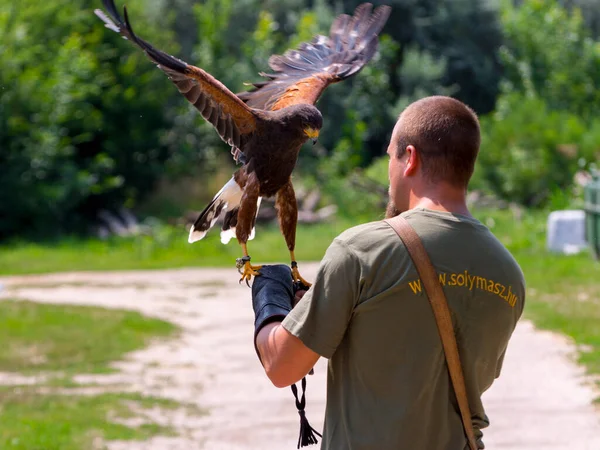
[445, 133]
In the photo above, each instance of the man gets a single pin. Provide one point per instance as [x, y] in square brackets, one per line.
[388, 383]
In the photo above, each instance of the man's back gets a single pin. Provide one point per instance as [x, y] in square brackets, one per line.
[388, 385]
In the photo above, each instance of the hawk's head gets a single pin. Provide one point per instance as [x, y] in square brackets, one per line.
[308, 119]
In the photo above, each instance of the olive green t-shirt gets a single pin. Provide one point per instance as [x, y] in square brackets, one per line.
[388, 386]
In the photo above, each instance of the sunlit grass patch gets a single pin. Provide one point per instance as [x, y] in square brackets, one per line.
[167, 248]
[33, 421]
[61, 341]
[71, 339]
[572, 306]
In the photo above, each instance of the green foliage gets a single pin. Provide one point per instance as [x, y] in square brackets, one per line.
[362, 194]
[550, 53]
[464, 34]
[528, 151]
[80, 117]
[87, 122]
[421, 75]
[426, 48]
[589, 11]
[544, 128]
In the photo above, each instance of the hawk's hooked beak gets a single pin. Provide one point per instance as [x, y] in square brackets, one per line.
[312, 133]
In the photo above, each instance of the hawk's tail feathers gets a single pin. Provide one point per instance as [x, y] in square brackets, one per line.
[227, 198]
[230, 222]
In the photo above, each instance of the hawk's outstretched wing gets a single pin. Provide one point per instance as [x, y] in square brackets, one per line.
[302, 75]
[231, 117]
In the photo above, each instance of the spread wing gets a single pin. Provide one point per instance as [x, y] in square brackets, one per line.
[301, 75]
[231, 117]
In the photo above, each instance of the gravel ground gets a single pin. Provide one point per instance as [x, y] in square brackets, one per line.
[541, 401]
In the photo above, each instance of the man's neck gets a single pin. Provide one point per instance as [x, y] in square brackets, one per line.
[446, 199]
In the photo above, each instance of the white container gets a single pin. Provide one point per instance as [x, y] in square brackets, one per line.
[566, 231]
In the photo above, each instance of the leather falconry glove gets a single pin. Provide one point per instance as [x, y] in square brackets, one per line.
[272, 299]
[272, 296]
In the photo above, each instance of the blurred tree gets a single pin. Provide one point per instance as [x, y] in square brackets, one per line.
[589, 11]
[556, 59]
[87, 122]
[465, 34]
[529, 151]
[80, 117]
[544, 128]
[414, 61]
[427, 47]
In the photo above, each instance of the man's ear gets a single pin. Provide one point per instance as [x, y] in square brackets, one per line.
[412, 161]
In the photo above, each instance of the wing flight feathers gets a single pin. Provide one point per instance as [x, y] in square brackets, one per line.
[301, 75]
[230, 116]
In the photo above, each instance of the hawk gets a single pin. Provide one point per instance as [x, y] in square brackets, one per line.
[267, 125]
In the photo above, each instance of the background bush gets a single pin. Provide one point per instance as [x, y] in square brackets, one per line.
[87, 123]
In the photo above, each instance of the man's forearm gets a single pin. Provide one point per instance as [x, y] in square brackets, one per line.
[285, 358]
[266, 351]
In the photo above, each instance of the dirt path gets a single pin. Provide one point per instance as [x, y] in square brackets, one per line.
[541, 401]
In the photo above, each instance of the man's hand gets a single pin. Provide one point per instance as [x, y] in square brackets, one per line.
[298, 296]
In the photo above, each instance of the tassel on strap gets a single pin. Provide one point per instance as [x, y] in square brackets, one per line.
[307, 433]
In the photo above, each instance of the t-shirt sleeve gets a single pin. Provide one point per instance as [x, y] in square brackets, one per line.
[500, 363]
[320, 319]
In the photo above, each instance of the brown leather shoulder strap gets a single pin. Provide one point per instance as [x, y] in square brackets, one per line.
[439, 304]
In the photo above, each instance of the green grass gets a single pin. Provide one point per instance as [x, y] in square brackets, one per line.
[563, 292]
[30, 421]
[62, 341]
[70, 339]
[166, 248]
[564, 295]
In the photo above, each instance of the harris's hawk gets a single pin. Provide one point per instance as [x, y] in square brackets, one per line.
[266, 126]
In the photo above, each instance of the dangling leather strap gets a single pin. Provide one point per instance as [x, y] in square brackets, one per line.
[441, 312]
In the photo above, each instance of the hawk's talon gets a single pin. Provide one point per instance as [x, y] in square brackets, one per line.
[239, 262]
[299, 282]
[249, 270]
